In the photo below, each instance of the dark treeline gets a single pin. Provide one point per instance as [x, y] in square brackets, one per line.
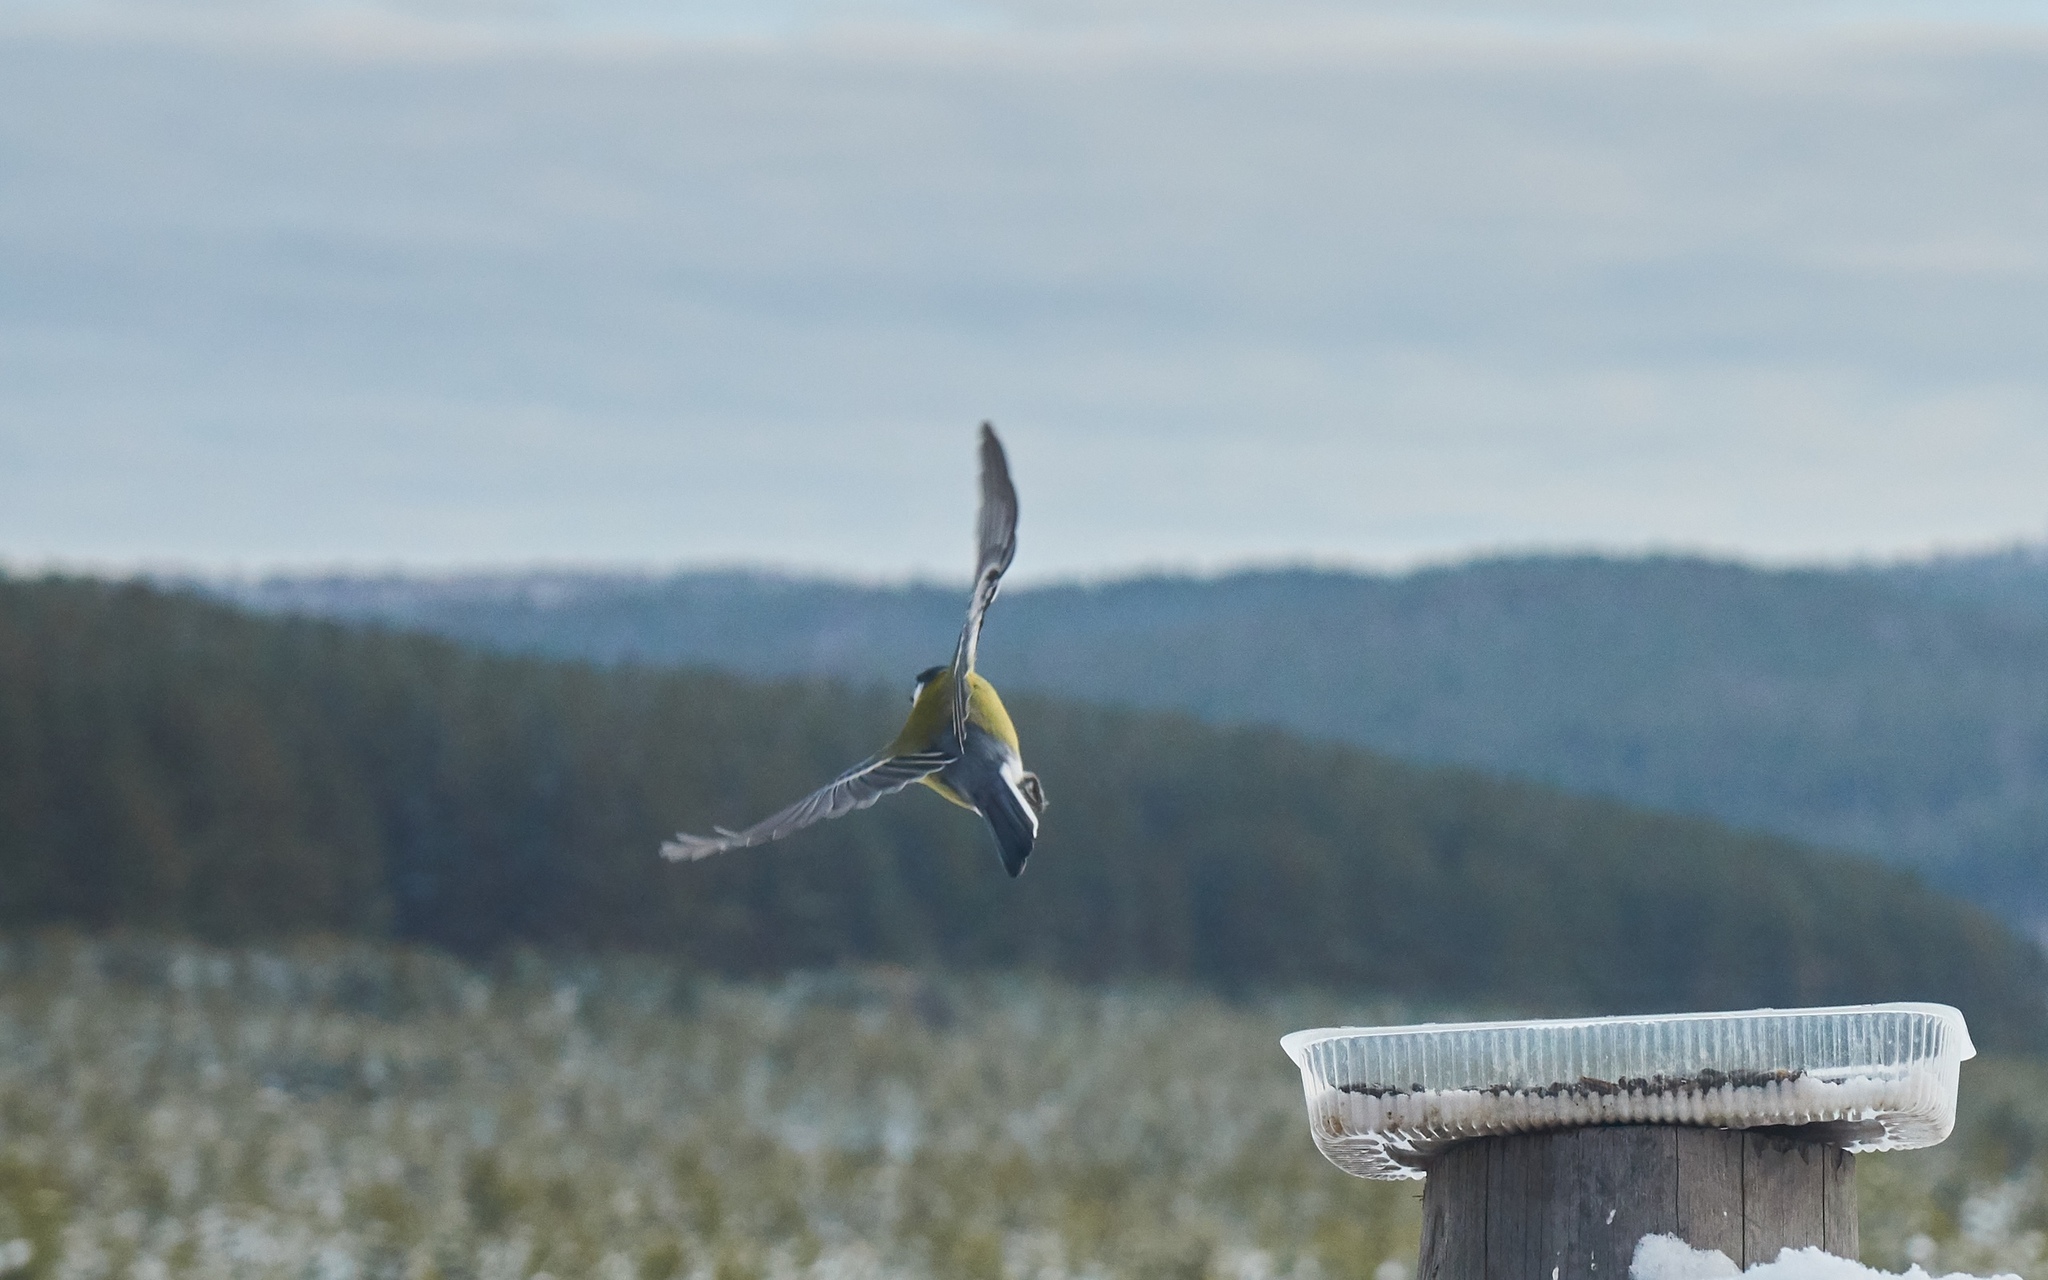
[168, 763]
[1901, 712]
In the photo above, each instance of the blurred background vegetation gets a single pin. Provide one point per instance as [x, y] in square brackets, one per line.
[169, 763]
[361, 1109]
[338, 949]
[1898, 710]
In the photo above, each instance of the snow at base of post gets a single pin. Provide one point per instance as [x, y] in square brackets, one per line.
[1669, 1258]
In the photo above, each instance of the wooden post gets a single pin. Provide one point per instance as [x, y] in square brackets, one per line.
[1571, 1204]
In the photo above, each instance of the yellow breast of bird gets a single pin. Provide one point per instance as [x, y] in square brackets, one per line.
[931, 719]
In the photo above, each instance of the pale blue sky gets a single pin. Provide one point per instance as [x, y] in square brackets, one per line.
[460, 282]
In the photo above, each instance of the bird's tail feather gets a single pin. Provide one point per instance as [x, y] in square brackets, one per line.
[1014, 825]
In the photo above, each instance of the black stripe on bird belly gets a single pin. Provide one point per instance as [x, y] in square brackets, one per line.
[986, 774]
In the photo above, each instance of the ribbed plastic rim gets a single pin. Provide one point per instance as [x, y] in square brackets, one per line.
[1296, 1044]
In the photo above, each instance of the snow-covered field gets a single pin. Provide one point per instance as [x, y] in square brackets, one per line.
[1670, 1258]
[354, 1111]
[342, 1110]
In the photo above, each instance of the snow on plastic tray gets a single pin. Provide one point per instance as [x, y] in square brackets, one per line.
[1382, 1100]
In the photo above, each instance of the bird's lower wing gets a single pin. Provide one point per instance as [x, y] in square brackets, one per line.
[995, 546]
[857, 788]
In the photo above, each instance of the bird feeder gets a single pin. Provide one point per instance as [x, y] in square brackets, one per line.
[1551, 1147]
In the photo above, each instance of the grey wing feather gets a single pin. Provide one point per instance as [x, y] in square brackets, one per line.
[857, 788]
[996, 545]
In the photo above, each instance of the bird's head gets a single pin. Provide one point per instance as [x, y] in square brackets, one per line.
[1034, 793]
[924, 678]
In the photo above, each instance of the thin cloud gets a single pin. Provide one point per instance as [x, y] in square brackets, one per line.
[1372, 287]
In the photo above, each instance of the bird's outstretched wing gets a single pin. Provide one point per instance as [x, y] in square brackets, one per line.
[857, 788]
[996, 545]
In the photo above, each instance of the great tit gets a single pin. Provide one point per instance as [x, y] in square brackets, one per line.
[958, 741]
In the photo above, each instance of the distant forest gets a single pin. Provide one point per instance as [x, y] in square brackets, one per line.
[170, 763]
[1898, 711]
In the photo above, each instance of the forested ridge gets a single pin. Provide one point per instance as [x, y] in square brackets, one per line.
[170, 763]
[1900, 711]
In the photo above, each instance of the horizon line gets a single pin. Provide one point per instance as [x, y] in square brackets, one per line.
[173, 571]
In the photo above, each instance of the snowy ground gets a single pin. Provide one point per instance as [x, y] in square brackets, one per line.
[1669, 1258]
[353, 1111]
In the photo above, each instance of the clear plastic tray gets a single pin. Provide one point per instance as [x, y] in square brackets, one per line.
[1382, 1100]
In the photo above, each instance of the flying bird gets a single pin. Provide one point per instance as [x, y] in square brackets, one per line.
[958, 741]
